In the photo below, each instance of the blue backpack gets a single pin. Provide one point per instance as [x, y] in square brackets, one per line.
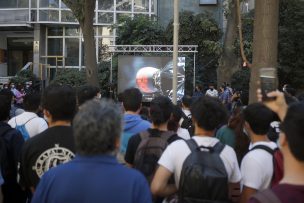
[21, 128]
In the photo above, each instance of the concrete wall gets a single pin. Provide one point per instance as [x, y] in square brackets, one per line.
[165, 10]
[3, 66]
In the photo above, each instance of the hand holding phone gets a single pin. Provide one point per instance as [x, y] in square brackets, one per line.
[268, 79]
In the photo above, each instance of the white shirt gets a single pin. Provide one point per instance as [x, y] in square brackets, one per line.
[33, 127]
[212, 93]
[177, 152]
[257, 167]
[183, 133]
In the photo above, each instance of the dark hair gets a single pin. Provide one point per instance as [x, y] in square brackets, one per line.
[187, 101]
[8, 93]
[144, 113]
[5, 107]
[177, 114]
[160, 110]
[301, 97]
[97, 126]
[132, 99]
[208, 113]
[242, 141]
[32, 101]
[293, 128]
[60, 101]
[258, 117]
[86, 92]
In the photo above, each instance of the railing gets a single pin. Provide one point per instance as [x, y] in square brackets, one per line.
[14, 16]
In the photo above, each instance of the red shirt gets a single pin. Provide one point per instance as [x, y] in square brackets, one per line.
[287, 193]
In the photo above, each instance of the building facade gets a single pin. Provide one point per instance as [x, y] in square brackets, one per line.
[46, 33]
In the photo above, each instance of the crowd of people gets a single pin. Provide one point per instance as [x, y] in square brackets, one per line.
[71, 145]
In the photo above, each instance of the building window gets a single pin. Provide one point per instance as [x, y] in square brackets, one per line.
[49, 3]
[72, 51]
[105, 18]
[55, 31]
[48, 15]
[123, 5]
[54, 49]
[68, 16]
[107, 5]
[141, 5]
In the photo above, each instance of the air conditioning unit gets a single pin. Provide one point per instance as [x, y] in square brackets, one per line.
[208, 2]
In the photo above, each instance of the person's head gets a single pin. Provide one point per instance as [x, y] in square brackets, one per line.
[198, 88]
[59, 102]
[186, 101]
[292, 129]
[160, 110]
[176, 116]
[8, 93]
[97, 127]
[87, 92]
[131, 99]
[257, 119]
[211, 86]
[32, 101]
[208, 113]
[5, 107]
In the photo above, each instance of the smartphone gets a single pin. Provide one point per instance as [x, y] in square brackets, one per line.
[268, 79]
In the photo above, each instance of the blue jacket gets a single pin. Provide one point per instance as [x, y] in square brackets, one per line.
[133, 124]
[93, 179]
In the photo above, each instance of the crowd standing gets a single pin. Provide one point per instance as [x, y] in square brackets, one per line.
[69, 145]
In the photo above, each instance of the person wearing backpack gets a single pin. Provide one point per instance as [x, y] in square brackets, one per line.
[257, 167]
[291, 139]
[29, 123]
[204, 169]
[11, 142]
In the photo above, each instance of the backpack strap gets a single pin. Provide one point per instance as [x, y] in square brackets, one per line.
[266, 196]
[218, 147]
[143, 135]
[26, 121]
[193, 146]
[266, 148]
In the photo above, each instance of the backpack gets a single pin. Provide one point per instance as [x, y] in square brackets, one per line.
[4, 159]
[206, 171]
[22, 129]
[277, 159]
[187, 124]
[266, 196]
[149, 151]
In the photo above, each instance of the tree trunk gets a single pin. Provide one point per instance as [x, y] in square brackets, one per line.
[89, 43]
[229, 61]
[265, 41]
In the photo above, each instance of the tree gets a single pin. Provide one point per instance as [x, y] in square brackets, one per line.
[265, 40]
[201, 30]
[84, 13]
[229, 61]
[140, 30]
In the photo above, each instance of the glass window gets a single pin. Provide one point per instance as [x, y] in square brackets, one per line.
[68, 16]
[70, 31]
[104, 31]
[106, 5]
[141, 5]
[72, 51]
[54, 49]
[55, 31]
[152, 5]
[48, 15]
[49, 4]
[63, 5]
[34, 4]
[14, 3]
[33, 15]
[123, 5]
[105, 17]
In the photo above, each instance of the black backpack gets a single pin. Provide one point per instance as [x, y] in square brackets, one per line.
[187, 124]
[149, 151]
[4, 148]
[203, 177]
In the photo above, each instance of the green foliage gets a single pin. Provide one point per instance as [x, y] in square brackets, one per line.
[291, 43]
[240, 81]
[76, 77]
[201, 30]
[141, 30]
[24, 76]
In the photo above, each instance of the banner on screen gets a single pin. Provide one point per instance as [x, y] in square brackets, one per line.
[152, 75]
